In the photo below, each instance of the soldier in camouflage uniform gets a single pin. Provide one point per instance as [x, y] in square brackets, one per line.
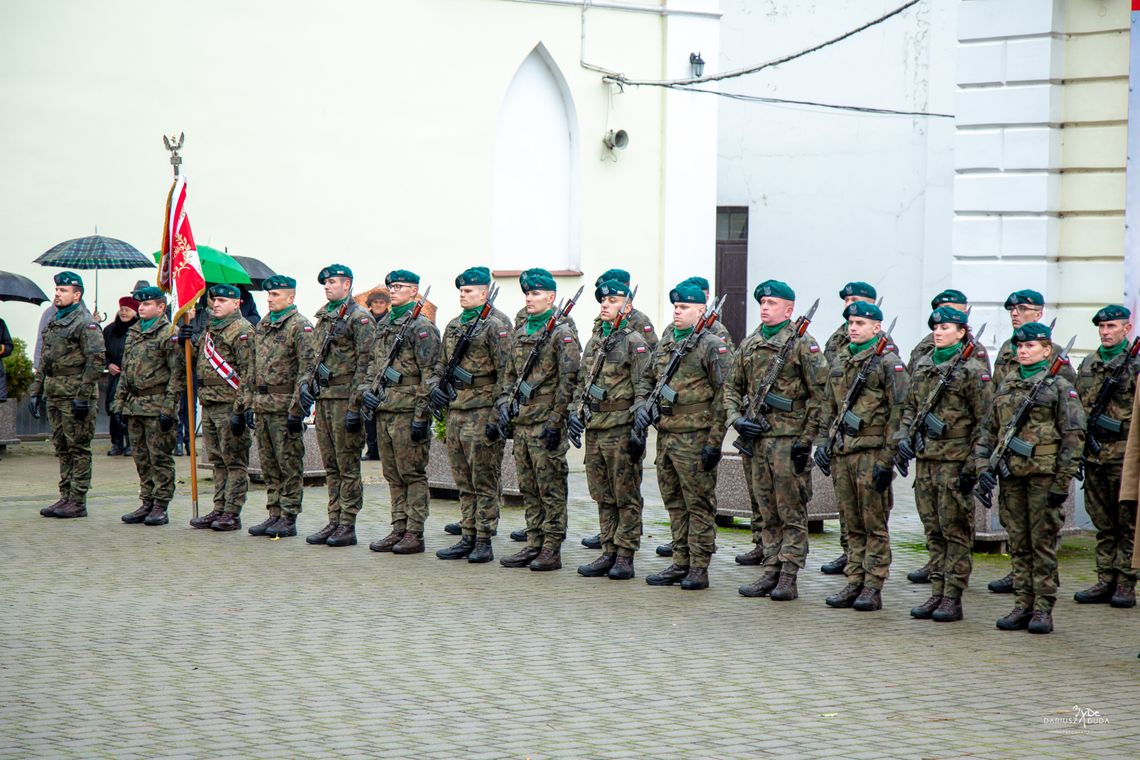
[1024, 306]
[779, 468]
[339, 375]
[70, 365]
[944, 475]
[474, 444]
[1115, 520]
[152, 381]
[955, 299]
[616, 358]
[539, 444]
[1031, 497]
[689, 415]
[403, 424]
[225, 374]
[282, 350]
[863, 467]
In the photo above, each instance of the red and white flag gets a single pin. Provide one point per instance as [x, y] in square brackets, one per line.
[179, 268]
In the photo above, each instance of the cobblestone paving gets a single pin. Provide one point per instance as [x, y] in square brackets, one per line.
[128, 641]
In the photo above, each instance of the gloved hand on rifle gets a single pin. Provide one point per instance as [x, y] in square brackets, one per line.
[249, 421]
[801, 455]
[903, 456]
[747, 427]
[823, 459]
[574, 430]
[370, 400]
[441, 396]
[984, 490]
[307, 399]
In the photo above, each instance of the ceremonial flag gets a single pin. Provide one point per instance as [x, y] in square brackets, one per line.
[179, 269]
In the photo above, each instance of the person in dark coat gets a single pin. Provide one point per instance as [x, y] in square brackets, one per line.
[6, 349]
[115, 338]
[248, 306]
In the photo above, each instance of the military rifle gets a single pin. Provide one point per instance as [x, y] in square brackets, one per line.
[583, 412]
[453, 370]
[1097, 418]
[389, 376]
[318, 376]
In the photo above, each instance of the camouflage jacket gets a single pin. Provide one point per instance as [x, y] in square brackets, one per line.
[627, 359]
[1056, 429]
[636, 321]
[719, 330]
[154, 375]
[72, 357]
[835, 343]
[553, 378]
[282, 351]
[698, 383]
[1006, 362]
[925, 347]
[521, 315]
[231, 338]
[878, 409]
[490, 351]
[347, 357]
[1090, 378]
[963, 406]
[407, 389]
[801, 384]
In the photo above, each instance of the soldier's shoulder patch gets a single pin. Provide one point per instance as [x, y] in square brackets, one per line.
[722, 349]
[568, 339]
[1072, 393]
[814, 348]
[641, 349]
[92, 326]
[648, 328]
[307, 328]
[899, 368]
[502, 333]
[243, 336]
[363, 320]
[422, 334]
[986, 378]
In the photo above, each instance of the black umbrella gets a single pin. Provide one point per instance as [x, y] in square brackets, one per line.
[255, 268]
[16, 287]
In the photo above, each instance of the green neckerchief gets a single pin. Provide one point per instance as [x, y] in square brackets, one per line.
[396, 312]
[855, 348]
[608, 327]
[942, 354]
[332, 306]
[469, 314]
[770, 332]
[534, 322]
[680, 335]
[217, 324]
[146, 324]
[63, 311]
[275, 316]
[1029, 370]
[1110, 353]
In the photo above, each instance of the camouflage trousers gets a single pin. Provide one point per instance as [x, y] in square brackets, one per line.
[1115, 523]
[340, 454]
[229, 454]
[152, 449]
[542, 480]
[282, 457]
[404, 464]
[948, 522]
[1033, 527]
[476, 465]
[866, 512]
[782, 495]
[615, 484]
[690, 496]
[72, 441]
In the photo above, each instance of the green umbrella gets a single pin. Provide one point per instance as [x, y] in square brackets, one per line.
[218, 267]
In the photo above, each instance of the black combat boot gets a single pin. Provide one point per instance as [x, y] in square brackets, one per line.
[762, 586]
[665, 550]
[785, 590]
[1124, 596]
[385, 544]
[285, 527]
[949, 611]
[1016, 620]
[344, 535]
[321, 535]
[921, 575]
[158, 515]
[593, 542]
[622, 569]
[70, 509]
[227, 521]
[412, 542]
[1002, 585]
[1098, 593]
[1041, 622]
[206, 520]
[263, 526]
[518, 535]
[870, 600]
[49, 511]
[453, 529]
[835, 566]
[460, 550]
[846, 597]
[753, 556]
[927, 608]
[482, 551]
[598, 567]
[668, 576]
[550, 558]
[696, 580]
[521, 558]
[133, 518]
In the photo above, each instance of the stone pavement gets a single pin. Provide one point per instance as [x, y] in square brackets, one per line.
[128, 641]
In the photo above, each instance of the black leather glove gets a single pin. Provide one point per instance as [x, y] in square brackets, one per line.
[823, 459]
[249, 420]
[503, 414]
[80, 408]
[550, 437]
[906, 451]
[165, 422]
[636, 447]
[881, 477]
[185, 333]
[492, 432]
[966, 482]
[801, 455]
[1054, 499]
[237, 423]
[419, 431]
[307, 399]
[642, 417]
[440, 397]
[294, 424]
[710, 456]
[574, 430]
[35, 406]
[747, 427]
[370, 400]
[352, 421]
[987, 480]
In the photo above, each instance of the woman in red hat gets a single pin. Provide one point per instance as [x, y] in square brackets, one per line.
[115, 336]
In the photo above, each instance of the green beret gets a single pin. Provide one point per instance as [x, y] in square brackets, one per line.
[1026, 297]
[402, 275]
[1111, 312]
[687, 292]
[613, 288]
[537, 279]
[617, 275]
[69, 278]
[700, 282]
[225, 291]
[774, 289]
[1032, 331]
[334, 270]
[474, 276]
[864, 289]
[948, 296]
[863, 309]
[278, 282]
[947, 314]
[149, 293]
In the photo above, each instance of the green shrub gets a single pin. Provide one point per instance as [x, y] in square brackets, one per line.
[439, 427]
[19, 370]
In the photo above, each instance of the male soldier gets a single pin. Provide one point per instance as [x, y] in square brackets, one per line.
[1024, 306]
[403, 424]
[779, 466]
[863, 466]
[474, 450]
[689, 416]
[339, 373]
[226, 376]
[616, 355]
[152, 379]
[282, 351]
[1115, 520]
[943, 441]
[70, 365]
[543, 397]
[954, 299]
